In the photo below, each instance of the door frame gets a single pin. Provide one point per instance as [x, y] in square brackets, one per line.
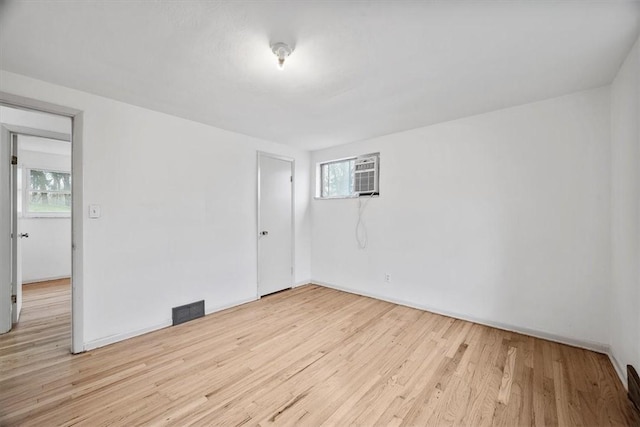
[292, 161]
[16, 244]
[77, 190]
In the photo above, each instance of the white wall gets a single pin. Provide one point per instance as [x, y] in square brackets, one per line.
[502, 217]
[46, 254]
[178, 212]
[625, 202]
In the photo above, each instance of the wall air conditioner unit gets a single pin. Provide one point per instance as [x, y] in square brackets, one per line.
[366, 175]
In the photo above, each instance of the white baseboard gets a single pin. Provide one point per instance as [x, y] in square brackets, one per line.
[112, 339]
[302, 283]
[230, 305]
[589, 345]
[622, 373]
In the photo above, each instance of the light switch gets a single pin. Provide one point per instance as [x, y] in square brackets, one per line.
[94, 211]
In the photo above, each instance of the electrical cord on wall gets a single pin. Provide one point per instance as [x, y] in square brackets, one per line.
[361, 228]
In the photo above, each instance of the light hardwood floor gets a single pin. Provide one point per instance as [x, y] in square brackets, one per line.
[308, 356]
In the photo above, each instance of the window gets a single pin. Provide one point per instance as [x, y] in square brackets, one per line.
[48, 193]
[337, 178]
[349, 177]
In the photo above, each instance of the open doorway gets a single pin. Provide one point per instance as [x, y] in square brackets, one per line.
[44, 216]
[37, 163]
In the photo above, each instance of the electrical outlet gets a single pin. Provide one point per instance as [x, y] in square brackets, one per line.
[387, 277]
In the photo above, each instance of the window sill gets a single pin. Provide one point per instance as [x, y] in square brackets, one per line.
[53, 216]
[345, 197]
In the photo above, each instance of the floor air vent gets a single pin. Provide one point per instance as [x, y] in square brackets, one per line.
[187, 312]
[634, 386]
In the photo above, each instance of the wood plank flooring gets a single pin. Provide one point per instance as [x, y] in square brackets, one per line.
[309, 356]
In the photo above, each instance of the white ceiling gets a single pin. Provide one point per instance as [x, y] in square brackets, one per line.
[360, 68]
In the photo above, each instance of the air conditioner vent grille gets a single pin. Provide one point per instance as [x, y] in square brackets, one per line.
[366, 175]
[365, 182]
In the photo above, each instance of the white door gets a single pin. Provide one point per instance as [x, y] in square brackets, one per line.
[6, 242]
[10, 266]
[16, 259]
[275, 224]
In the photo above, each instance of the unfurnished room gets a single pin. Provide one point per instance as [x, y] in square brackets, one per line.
[410, 213]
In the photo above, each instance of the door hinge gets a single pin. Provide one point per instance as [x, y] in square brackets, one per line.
[14, 299]
[14, 160]
[291, 179]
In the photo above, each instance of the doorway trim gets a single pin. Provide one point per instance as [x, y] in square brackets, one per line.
[260, 155]
[77, 190]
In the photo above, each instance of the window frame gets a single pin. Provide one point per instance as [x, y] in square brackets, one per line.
[320, 177]
[26, 190]
[321, 182]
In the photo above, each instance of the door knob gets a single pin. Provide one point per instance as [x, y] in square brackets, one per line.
[24, 235]
[264, 233]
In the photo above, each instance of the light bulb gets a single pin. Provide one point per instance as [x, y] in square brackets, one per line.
[282, 51]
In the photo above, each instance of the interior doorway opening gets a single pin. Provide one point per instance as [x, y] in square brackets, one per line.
[44, 188]
[38, 162]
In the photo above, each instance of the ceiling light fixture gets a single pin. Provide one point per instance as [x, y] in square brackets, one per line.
[282, 51]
